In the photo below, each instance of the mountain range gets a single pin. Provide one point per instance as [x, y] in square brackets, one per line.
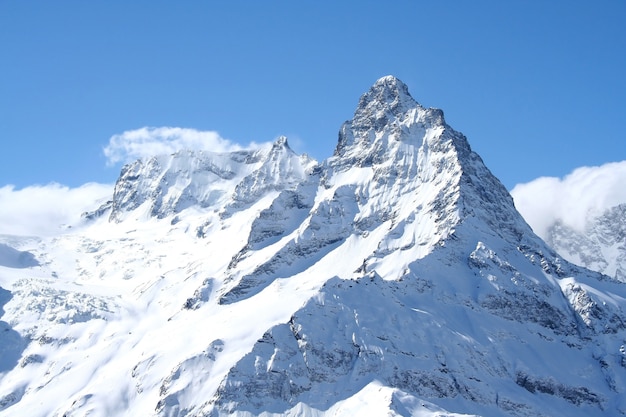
[394, 278]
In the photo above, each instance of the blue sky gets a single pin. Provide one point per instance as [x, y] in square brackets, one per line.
[538, 87]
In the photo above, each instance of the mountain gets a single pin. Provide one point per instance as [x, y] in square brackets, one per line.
[167, 184]
[394, 278]
[600, 246]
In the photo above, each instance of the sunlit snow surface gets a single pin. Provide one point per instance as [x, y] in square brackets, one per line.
[394, 278]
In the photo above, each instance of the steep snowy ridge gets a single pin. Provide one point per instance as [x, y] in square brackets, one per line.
[394, 278]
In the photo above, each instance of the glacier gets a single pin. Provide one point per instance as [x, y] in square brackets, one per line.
[395, 278]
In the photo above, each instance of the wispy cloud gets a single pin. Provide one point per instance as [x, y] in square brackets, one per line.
[44, 210]
[150, 141]
[571, 198]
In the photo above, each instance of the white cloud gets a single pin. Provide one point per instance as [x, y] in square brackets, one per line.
[570, 199]
[151, 141]
[43, 210]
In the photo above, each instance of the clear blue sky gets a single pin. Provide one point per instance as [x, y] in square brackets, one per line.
[538, 87]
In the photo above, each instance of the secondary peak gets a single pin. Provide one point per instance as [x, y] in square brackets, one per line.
[280, 142]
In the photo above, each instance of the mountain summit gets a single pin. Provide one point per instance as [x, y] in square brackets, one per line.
[387, 95]
[396, 277]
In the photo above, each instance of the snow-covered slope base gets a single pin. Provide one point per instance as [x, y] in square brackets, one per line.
[394, 278]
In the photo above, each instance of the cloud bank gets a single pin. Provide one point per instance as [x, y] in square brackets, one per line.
[150, 141]
[44, 210]
[587, 190]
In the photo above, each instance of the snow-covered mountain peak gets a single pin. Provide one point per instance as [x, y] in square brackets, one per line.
[386, 113]
[280, 152]
[387, 90]
[167, 184]
[281, 142]
[396, 277]
[386, 100]
[409, 149]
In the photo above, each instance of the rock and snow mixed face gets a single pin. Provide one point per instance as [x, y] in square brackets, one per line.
[168, 184]
[395, 277]
[600, 246]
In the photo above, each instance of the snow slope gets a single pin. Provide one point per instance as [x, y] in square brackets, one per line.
[394, 278]
[12, 258]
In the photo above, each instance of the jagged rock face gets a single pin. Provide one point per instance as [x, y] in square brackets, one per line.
[601, 246]
[396, 277]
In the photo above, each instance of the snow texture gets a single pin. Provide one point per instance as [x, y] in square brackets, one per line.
[394, 278]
